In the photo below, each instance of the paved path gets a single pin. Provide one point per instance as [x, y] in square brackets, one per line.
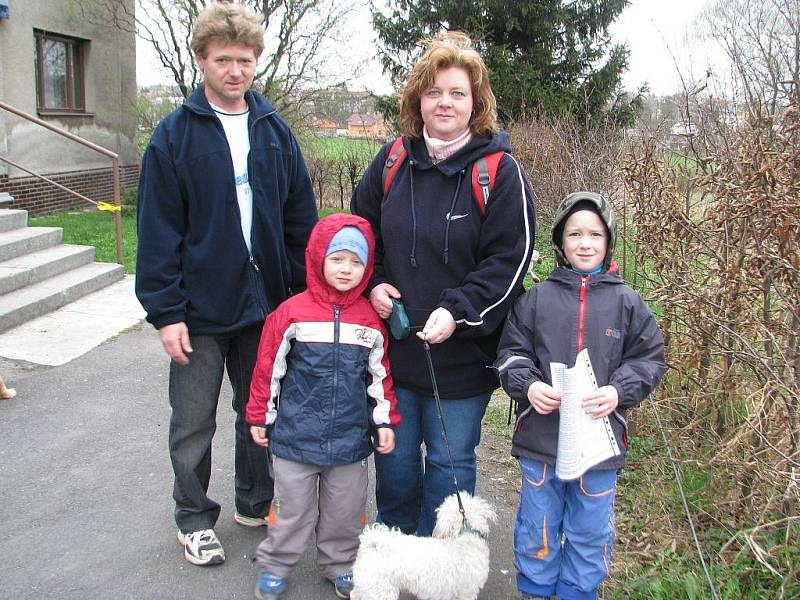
[85, 488]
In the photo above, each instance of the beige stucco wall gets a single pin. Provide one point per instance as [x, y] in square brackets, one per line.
[110, 84]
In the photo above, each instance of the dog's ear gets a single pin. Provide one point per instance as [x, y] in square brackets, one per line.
[480, 514]
[448, 518]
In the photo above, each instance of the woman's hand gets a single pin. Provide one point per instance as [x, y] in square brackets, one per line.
[543, 398]
[381, 299]
[439, 327]
[601, 403]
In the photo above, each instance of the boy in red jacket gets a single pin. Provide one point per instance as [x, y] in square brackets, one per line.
[321, 390]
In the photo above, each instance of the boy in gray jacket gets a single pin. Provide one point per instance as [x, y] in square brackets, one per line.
[583, 304]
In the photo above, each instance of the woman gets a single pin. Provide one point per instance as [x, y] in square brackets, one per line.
[456, 270]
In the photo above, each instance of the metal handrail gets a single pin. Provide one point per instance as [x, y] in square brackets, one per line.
[106, 152]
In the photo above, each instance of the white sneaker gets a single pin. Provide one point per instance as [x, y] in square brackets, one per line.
[250, 521]
[202, 547]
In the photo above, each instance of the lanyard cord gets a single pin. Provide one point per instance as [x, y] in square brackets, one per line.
[678, 479]
[444, 430]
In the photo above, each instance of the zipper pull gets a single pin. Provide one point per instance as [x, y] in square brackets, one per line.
[254, 264]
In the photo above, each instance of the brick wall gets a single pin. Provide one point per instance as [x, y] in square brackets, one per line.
[40, 198]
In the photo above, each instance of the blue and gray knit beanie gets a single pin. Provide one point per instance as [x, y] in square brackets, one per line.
[350, 238]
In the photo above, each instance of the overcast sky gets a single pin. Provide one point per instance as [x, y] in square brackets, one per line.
[652, 29]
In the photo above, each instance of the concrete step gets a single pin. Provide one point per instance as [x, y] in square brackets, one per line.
[26, 240]
[12, 219]
[35, 300]
[38, 266]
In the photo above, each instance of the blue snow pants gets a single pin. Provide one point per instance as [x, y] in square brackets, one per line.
[564, 532]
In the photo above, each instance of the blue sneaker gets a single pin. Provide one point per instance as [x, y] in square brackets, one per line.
[343, 584]
[269, 586]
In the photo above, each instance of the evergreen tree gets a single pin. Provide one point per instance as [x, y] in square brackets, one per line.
[545, 56]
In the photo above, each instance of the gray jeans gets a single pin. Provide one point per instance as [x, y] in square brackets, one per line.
[329, 500]
[193, 395]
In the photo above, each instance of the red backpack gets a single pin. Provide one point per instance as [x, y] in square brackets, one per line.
[484, 173]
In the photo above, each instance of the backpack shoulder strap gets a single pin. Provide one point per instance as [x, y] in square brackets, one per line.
[484, 174]
[397, 155]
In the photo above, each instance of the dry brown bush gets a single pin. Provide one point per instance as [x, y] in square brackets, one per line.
[561, 156]
[721, 233]
[712, 237]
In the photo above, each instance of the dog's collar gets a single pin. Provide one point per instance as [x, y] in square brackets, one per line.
[468, 529]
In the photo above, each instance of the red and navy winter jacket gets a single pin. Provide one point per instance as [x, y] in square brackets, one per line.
[322, 380]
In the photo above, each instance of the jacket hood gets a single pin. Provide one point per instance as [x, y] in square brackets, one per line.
[318, 243]
[604, 210]
[477, 147]
[257, 104]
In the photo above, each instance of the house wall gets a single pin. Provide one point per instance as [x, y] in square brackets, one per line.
[40, 198]
[376, 131]
[109, 121]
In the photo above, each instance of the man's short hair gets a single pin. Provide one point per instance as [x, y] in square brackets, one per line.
[445, 50]
[227, 23]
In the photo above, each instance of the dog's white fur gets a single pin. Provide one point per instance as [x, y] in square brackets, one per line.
[6, 392]
[451, 565]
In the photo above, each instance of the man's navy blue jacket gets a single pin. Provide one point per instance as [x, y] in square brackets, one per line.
[193, 264]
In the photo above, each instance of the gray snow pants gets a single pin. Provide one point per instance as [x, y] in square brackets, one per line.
[331, 500]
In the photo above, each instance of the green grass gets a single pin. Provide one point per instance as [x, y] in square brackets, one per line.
[324, 212]
[335, 147]
[677, 159]
[677, 576]
[497, 418]
[96, 229]
[649, 508]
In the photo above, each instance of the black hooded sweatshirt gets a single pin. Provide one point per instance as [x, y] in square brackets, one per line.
[434, 245]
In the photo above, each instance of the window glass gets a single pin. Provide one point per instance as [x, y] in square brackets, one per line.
[77, 76]
[55, 74]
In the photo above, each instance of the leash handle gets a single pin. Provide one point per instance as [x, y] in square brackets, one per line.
[444, 429]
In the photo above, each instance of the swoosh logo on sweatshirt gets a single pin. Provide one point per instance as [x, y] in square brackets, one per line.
[449, 217]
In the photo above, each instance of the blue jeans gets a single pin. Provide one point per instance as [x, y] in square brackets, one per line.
[582, 512]
[408, 491]
[193, 395]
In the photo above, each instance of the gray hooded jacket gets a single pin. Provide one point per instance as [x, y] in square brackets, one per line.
[622, 337]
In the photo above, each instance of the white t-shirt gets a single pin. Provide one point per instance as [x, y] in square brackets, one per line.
[235, 126]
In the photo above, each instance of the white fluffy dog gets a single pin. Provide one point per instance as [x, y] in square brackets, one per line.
[451, 565]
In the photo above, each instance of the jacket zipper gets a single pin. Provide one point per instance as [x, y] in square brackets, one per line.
[582, 311]
[335, 377]
[251, 259]
[263, 304]
[250, 172]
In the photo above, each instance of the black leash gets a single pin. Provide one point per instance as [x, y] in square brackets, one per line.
[444, 429]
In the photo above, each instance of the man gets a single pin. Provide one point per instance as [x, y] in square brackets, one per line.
[225, 209]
